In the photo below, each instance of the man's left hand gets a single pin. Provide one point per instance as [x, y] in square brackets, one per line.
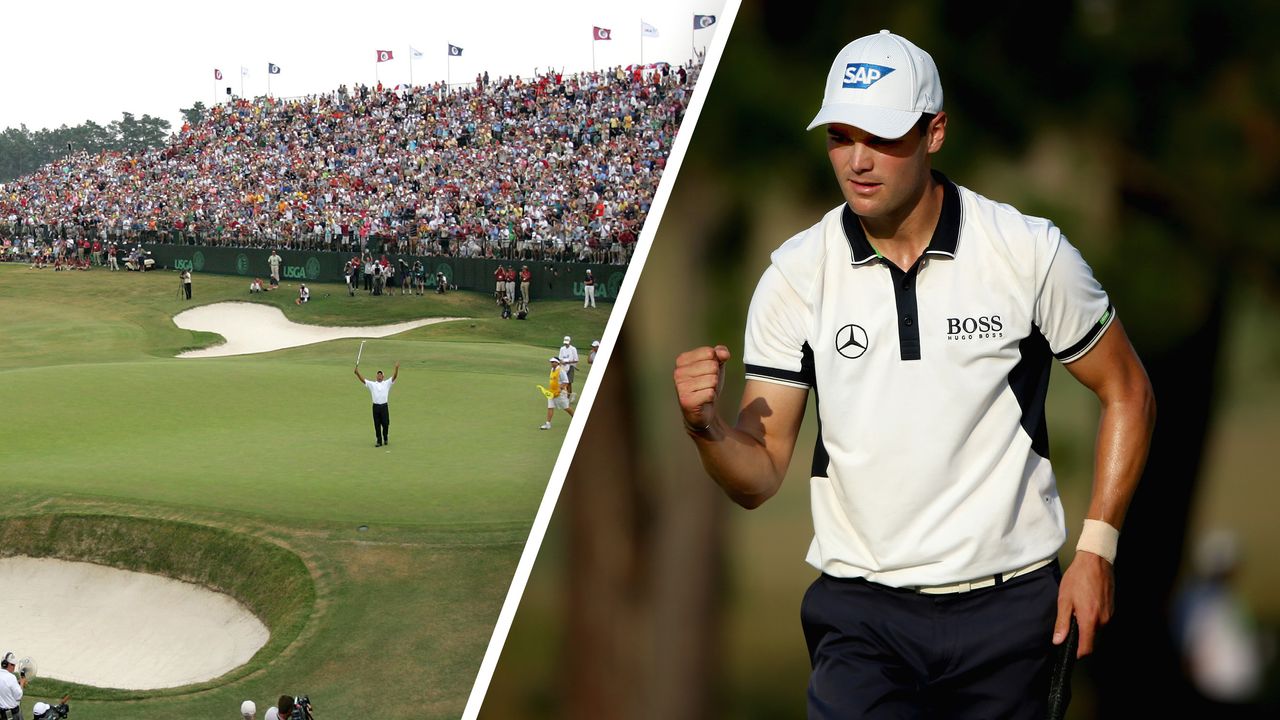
[1087, 591]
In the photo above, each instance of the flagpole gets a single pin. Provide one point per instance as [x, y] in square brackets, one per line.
[448, 72]
[642, 43]
[593, 51]
[410, 66]
[241, 81]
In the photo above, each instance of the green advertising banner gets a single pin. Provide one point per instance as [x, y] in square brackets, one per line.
[550, 280]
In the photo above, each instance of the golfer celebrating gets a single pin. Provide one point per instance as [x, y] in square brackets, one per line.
[380, 389]
[929, 317]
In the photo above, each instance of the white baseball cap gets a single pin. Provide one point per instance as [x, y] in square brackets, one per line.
[248, 708]
[882, 84]
[595, 343]
[554, 360]
[40, 708]
[566, 338]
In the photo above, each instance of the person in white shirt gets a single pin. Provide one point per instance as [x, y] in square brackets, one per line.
[569, 358]
[380, 389]
[11, 689]
[929, 316]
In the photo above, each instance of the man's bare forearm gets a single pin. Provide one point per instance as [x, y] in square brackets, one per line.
[1124, 437]
[738, 462]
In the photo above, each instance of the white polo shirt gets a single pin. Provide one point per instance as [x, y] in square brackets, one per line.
[10, 691]
[932, 461]
[379, 390]
[568, 355]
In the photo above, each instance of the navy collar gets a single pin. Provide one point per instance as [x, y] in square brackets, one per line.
[946, 236]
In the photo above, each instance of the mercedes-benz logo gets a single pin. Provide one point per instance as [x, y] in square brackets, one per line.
[851, 341]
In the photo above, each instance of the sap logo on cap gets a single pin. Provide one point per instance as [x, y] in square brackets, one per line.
[864, 75]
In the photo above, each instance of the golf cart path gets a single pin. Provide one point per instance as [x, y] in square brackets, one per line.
[113, 628]
[255, 328]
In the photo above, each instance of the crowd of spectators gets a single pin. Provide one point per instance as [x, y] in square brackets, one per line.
[554, 168]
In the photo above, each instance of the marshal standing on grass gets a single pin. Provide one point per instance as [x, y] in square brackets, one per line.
[380, 389]
[929, 316]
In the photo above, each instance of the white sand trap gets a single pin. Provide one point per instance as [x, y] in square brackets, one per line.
[254, 328]
[114, 628]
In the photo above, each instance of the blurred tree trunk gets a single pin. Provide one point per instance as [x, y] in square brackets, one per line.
[643, 558]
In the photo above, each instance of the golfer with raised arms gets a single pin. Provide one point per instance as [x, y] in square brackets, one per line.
[928, 316]
[380, 389]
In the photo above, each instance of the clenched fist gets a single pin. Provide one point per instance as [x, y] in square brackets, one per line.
[699, 375]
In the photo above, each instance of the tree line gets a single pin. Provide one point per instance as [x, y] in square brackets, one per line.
[23, 151]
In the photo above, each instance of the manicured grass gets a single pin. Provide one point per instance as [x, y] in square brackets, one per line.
[277, 447]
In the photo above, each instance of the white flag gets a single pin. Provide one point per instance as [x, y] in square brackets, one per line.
[648, 30]
[415, 52]
[244, 71]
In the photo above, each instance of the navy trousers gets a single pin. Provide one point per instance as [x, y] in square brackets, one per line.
[881, 652]
[381, 421]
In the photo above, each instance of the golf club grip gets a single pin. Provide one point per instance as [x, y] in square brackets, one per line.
[1060, 681]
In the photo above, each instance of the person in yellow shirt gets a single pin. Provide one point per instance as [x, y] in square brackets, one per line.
[558, 393]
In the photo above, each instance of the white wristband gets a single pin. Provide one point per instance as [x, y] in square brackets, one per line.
[1099, 538]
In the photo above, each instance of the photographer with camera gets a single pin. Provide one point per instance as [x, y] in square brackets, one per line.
[11, 689]
[291, 708]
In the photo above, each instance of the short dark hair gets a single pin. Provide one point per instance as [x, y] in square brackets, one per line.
[284, 705]
[922, 125]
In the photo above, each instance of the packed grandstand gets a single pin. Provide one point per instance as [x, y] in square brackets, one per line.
[554, 167]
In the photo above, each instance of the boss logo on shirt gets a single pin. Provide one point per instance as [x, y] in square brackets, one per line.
[851, 341]
[975, 328]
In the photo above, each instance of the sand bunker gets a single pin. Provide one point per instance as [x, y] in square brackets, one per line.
[254, 328]
[114, 628]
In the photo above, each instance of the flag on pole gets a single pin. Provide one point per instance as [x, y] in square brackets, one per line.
[703, 21]
[599, 33]
[415, 52]
[648, 30]
[244, 71]
[217, 74]
[273, 69]
[455, 51]
[384, 55]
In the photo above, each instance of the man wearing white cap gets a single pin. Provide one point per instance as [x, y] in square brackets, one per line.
[559, 393]
[248, 709]
[929, 316]
[569, 358]
[11, 689]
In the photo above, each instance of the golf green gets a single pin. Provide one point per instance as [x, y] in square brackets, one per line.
[410, 547]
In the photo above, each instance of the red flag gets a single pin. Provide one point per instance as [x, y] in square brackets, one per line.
[384, 55]
[599, 33]
[217, 74]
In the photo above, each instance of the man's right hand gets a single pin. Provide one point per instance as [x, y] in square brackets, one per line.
[699, 376]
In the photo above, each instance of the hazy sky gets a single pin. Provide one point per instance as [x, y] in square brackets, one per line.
[67, 61]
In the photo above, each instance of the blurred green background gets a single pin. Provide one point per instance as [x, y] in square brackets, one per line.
[1150, 133]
